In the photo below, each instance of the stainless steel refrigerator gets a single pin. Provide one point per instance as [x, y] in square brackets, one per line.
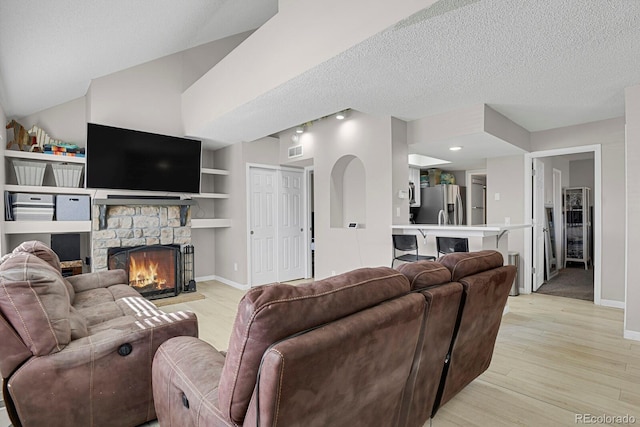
[442, 204]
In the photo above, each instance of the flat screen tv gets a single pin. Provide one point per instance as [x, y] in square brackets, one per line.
[134, 160]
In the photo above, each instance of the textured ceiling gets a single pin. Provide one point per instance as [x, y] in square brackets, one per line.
[542, 64]
[50, 50]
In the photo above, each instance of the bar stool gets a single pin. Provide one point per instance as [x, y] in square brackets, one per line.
[407, 243]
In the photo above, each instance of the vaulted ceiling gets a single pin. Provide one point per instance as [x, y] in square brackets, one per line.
[543, 64]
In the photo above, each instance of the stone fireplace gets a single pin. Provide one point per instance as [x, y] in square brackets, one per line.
[140, 225]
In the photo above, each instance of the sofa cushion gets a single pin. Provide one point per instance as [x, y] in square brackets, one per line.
[33, 298]
[463, 264]
[78, 324]
[40, 250]
[267, 314]
[423, 274]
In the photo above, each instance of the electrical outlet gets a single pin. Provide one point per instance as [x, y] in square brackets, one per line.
[235, 266]
[398, 212]
[496, 196]
[507, 220]
[333, 272]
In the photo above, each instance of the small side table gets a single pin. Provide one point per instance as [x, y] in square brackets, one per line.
[71, 268]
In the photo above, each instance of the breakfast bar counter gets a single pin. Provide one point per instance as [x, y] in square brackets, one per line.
[492, 236]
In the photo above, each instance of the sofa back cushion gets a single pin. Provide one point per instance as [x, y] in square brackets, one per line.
[351, 372]
[463, 264]
[268, 314]
[35, 301]
[40, 250]
[423, 274]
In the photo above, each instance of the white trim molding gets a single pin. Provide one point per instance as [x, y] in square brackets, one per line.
[631, 335]
[612, 303]
[230, 283]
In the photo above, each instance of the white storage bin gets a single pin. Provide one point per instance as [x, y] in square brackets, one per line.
[29, 173]
[72, 208]
[67, 174]
[32, 207]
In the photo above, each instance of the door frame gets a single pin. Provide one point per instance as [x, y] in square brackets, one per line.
[596, 149]
[305, 242]
[308, 171]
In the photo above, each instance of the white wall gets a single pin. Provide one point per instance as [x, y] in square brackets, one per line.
[581, 174]
[505, 177]
[67, 121]
[632, 144]
[370, 139]
[400, 172]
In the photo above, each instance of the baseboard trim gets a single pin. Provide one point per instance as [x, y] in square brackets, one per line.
[632, 335]
[231, 283]
[612, 303]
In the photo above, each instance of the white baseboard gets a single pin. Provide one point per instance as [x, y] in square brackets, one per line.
[612, 303]
[632, 335]
[205, 278]
[231, 283]
[506, 309]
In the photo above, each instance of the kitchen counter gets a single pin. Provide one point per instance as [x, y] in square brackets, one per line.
[491, 236]
[497, 230]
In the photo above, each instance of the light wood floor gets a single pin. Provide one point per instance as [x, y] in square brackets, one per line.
[555, 358]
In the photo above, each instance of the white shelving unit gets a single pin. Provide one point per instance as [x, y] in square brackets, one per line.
[27, 155]
[577, 225]
[210, 223]
[45, 227]
[208, 195]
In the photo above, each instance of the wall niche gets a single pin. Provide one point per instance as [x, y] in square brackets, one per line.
[348, 192]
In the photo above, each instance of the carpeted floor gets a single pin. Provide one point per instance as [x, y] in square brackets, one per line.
[571, 282]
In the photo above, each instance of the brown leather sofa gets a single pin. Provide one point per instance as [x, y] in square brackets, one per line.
[372, 347]
[77, 351]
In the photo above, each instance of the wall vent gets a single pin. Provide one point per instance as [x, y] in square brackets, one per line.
[295, 151]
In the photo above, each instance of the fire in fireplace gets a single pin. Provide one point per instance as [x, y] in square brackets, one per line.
[154, 271]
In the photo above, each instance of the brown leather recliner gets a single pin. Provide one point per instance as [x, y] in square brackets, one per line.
[368, 347]
[77, 351]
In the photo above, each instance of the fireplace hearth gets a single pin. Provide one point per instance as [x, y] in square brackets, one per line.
[153, 270]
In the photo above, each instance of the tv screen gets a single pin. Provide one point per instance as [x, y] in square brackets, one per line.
[134, 160]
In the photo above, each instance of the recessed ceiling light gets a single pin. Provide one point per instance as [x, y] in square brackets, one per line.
[300, 129]
[456, 148]
[340, 115]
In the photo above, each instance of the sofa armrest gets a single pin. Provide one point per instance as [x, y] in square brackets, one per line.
[186, 372]
[95, 377]
[98, 279]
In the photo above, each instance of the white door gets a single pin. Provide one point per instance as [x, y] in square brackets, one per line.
[262, 225]
[290, 227]
[538, 223]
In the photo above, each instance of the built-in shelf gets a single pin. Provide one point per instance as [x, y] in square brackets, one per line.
[210, 196]
[50, 227]
[46, 189]
[209, 171]
[43, 157]
[210, 223]
[144, 201]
